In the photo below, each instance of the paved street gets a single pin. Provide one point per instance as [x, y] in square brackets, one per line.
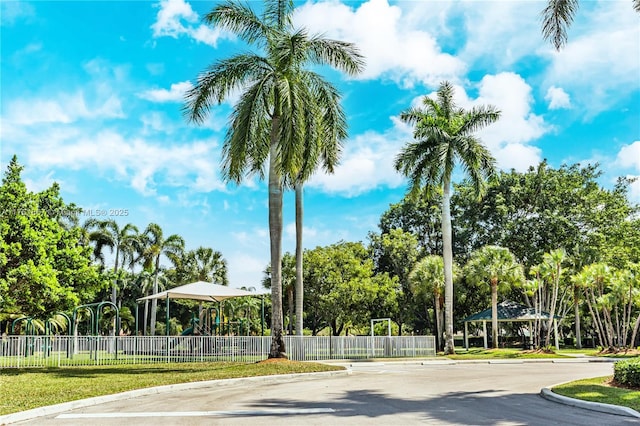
[376, 393]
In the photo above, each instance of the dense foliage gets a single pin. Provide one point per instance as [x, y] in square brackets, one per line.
[44, 266]
[50, 262]
[627, 372]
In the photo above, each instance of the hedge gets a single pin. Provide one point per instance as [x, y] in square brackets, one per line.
[627, 372]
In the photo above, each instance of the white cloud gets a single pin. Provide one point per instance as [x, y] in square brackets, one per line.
[509, 138]
[140, 162]
[498, 33]
[246, 269]
[174, 94]
[557, 98]
[368, 159]
[64, 109]
[634, 188]
[176, 18]
[392, 49]
[629, 156]
[602, 64]
[12, 11]
[290, 231]
[367, 163]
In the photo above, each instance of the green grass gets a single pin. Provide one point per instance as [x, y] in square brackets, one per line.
[24, 389]
[596, 390]
[478, 353]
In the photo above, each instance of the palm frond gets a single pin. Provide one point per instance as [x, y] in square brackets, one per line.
[556, 19]
[239, 19]
[278, 13]
[636, 5]
[246, 145]
[478, 117]
[340, 55]
[446, 105]
[215, 84]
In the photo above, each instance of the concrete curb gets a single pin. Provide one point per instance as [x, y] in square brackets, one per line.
[72, 405]
[548, 394]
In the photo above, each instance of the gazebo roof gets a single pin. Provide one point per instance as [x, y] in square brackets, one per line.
[510, 311]
[201, 290]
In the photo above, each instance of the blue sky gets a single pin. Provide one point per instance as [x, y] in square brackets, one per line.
[91, 96]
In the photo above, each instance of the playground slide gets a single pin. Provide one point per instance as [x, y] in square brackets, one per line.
[187, 332]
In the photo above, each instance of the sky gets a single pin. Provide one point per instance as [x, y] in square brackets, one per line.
[91, 95]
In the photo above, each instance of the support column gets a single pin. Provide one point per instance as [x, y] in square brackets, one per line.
[484, 333]
[466, 335]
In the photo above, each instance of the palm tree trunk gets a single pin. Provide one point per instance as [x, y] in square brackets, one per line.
[275, 236]
[299, 258]
[438, 315]
[154, 302]
[494, 313]
[447, 251]
[291, 309]
[576, 307]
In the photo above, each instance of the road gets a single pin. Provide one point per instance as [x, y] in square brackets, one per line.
[376, 393]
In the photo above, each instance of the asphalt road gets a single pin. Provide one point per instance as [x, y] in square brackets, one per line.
[376, 393]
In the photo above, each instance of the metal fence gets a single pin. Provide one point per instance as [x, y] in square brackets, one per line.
[59, 351]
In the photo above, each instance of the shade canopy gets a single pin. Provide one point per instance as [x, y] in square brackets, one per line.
[201, 290]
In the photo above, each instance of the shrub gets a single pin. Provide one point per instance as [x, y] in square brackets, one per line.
[627, 372]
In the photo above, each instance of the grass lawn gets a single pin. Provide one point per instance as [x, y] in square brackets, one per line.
[24, 389]
[479, 353]
[598, 390]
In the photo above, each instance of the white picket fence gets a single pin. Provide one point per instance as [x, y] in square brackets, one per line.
[49, 351]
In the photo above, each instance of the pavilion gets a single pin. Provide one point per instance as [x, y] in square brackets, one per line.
[509, 311]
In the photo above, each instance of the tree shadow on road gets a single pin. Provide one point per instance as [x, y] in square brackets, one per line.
[488, 407]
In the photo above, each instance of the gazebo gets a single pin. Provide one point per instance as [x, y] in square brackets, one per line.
[205, 292]
[509, 311]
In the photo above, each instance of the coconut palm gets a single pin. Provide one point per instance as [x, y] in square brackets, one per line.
[427, 278]
[498, 267]
[155, 245]
[279, 106]
[443, 136]
[558, 16]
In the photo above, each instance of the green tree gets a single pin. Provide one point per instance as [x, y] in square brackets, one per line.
[155, 245]
[419, 216]
[535, 212]
[274, 113]
[342, 289]
[558, 16]
[43, 266]
[396, 253]
[443, 136]
[201, 264]
[497, 267]
[427, 282]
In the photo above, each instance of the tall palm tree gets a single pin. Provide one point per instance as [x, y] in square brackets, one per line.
[427, 277]
[498, 267]
[118, 241]
[155, 246]
[277, 109]
[558, 16]
[443, 136]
